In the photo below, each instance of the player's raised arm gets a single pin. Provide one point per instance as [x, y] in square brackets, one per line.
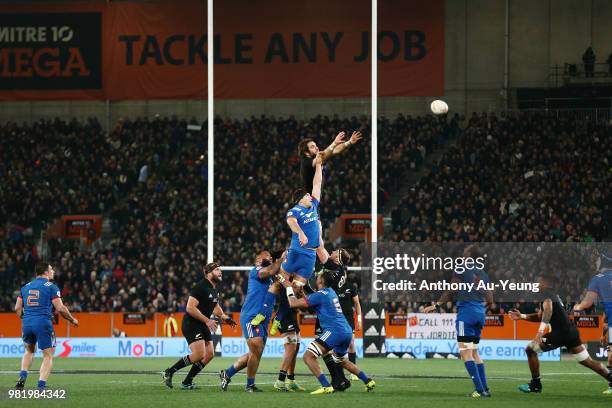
[589, 299]
[327, 153]
[63, 310]
[318, 180]
[193, 311]
[355, 137]
[19, 306]
[271, 270]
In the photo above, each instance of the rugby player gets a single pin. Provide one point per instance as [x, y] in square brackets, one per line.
[556, 330]
[260, 279]
[290, 332]
[198, 326]
[600, 288]
[336, 333]
[308, 152]
[471, 310]
[303, 219]
[336, 264]
[34, 306]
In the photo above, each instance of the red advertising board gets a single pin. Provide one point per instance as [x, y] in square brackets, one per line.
[263, 49]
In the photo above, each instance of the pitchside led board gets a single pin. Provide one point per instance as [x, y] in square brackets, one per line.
[147, 50]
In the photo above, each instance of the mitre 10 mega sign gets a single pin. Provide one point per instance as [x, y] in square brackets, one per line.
[45, 51]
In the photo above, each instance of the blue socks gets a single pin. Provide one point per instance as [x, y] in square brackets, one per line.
[363, 377]
[23, 374]
[268, 304]
[250, 381]
[231, 371]
[41, 384]
[483, 376]
[323, 380]
[470, 366]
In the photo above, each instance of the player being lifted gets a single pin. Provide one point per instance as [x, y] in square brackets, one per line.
[556, 330]
[600, 288]
[198, 326]
[34, 306]
[303, 219]
[336, 333]
[336, 265]
[301, 260]
[260, 279]
[471, 310]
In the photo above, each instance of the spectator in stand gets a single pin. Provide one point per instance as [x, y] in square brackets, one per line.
[588, 58]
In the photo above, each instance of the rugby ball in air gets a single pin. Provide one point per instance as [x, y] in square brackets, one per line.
[439, 107]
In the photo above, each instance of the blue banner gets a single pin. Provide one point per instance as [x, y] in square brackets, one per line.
[488, 349]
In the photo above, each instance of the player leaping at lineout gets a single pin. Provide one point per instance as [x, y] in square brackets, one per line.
[302, 259]
[303, 219]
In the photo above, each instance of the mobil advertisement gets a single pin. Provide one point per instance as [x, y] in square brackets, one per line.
[488, 349]
[105, 347]
[145, 347]
[236, 346]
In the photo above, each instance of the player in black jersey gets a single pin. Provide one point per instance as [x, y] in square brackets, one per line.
[197, 326]
[290, 332]
[348, 294]
[308, 151]
[556, 330]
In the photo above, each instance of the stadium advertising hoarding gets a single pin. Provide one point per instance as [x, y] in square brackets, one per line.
[440, 326]
[488, 349]
[51, 51]
[157, 50]
[139, 347]
[145, 347]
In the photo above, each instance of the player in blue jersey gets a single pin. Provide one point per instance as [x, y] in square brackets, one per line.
[336, 334]
[470, 320]
[303, 219]
[34, 306]
[600, 288]
[260, 279]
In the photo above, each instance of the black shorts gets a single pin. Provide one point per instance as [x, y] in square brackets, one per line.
[559, 337]
[289, 323]
[194, 330]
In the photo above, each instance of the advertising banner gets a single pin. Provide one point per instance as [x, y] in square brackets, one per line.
[488, 349]
[431, 326]
[147, 347]
[144, 50]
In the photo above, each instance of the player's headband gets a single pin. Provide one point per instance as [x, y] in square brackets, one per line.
[211, 267]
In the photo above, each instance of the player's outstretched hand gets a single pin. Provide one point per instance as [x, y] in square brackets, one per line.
[230, 321]
[75, 322]
[356, 136]
[514, 314]
[339, 138]
[212, 325]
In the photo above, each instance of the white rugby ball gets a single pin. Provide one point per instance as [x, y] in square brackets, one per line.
[439, 107]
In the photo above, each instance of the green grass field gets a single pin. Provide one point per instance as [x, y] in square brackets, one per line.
[420, 383]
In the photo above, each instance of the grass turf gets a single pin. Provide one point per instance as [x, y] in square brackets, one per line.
[420, 383]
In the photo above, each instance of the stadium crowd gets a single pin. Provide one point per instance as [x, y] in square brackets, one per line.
[523, 178]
